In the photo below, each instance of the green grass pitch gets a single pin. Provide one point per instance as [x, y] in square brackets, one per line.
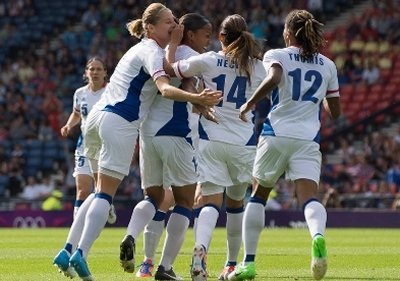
[283, 254]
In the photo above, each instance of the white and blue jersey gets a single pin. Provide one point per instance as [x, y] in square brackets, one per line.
[84, 100]
[168, 117]
[131, 90]
[296, 102]
[219, 74]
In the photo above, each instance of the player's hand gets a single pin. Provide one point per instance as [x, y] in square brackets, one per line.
[243, 110]
[65, 130]
[208, 97]
[207, 112]
[177, 35]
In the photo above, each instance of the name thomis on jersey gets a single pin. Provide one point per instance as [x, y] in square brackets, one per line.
[225, 63]
[315, 59]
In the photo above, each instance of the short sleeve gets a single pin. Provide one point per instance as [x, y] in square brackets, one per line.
[271, 57]
[153, 62]
[333, 84]
[76, 105]
[190, 67]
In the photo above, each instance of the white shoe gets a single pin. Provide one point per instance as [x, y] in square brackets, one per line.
[198, 270]
[112, 215]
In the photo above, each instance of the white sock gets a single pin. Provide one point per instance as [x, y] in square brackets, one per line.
[315, 215]
[142, 214]
[75, 211]
[253, 224]
[75, 231]
[176, 231]
[234, 234]
[205, 225]
[196, 213]
[151, 237]
[96, 219]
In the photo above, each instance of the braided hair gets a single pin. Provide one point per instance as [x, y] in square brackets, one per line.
[307, 31]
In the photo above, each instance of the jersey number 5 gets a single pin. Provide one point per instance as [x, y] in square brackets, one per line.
[310, 75]
[237, 92]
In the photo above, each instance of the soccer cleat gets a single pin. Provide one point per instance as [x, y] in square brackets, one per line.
[243, 272]
[127, 254]
[225, 272]
[145, 269]
[80, 266]
[162, 274]
[61, 260]
[112, 215]
[198, 270]
[319, 263]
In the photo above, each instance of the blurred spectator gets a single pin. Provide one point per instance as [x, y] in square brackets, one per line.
[370, 74]
[53, 201]
[32, 190]
[15, 181]
[92, 17]
[393, 176]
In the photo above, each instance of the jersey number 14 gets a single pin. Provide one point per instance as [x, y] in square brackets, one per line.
[237, 92]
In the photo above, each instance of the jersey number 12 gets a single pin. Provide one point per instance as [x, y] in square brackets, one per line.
[310, 75]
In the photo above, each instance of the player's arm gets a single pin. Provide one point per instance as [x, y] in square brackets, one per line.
[332, 98]
[196, 85]
[176, 38]
[73, 120]
[272, 80]
[168, 68]
[206, 98]
[332, 106]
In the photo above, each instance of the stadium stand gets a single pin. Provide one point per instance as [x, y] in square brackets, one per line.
[45, 44]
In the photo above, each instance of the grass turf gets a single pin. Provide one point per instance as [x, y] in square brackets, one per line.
[283, 254]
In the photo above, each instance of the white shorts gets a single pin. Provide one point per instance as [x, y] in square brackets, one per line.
[111, 140]
[299, 159]
[235, 192]
[224, 165]
[167, 161]
[82, 166]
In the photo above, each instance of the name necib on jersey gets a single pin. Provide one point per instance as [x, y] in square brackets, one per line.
[225, 63]
[315, 59]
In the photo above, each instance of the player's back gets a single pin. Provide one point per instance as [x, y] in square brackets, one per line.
[218, 73]
[296, 102]
[132, 90]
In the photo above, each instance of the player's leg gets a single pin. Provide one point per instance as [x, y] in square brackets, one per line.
[61, 260]
[234, 219]
[83, 181]
[212, 202]
[179, 172]
[304, 169]
[198, 204]
[145, 210]
[114, 156]
[214, 177]
[176, 229]
[152, 234]
[270, 163]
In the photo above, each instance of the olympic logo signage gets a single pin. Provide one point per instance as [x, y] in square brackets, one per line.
[29, 222]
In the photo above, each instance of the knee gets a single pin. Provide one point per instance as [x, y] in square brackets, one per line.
[156, 194]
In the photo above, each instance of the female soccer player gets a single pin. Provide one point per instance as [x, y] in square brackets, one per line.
[301, 79]
[84, 99]
[113, 124]
[226, 149]
[175, 120]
